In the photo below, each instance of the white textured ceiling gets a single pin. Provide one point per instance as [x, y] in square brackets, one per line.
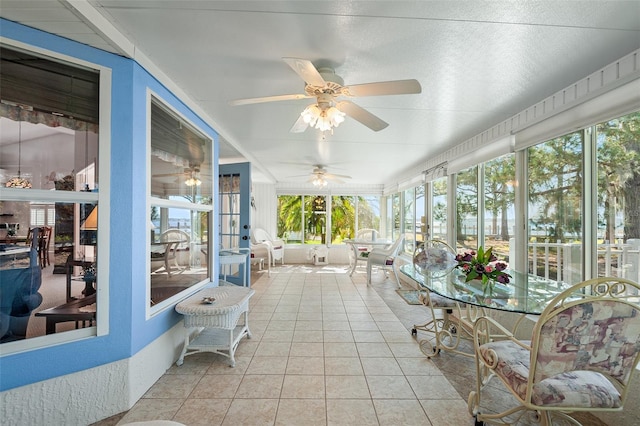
[478, 62]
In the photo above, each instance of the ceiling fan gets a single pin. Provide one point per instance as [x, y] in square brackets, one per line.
[320, 177]
[326, 86]
[191, 175]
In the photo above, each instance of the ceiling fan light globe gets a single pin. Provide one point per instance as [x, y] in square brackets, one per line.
[323, 124]
[193, 182]
[319, 181]
[336, 116]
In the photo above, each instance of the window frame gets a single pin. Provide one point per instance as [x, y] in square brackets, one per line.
[101, 197]
[151, 311]
[329, 198]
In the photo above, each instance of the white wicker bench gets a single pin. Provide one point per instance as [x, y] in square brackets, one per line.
[216, 324]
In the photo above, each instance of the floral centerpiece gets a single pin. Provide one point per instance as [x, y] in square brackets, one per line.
[483, 265]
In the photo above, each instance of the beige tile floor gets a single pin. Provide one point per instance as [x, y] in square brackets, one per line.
[326, 349]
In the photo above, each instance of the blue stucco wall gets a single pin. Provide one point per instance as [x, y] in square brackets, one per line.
[129, 330]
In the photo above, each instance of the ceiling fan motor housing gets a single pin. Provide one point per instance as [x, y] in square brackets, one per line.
[325, 100]
[330, 75]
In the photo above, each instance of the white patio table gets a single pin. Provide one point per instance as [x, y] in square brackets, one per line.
[216, 323]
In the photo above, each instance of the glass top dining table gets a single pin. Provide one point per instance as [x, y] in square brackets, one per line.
[525, 293]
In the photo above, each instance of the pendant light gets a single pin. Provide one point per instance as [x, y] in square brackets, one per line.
[18, 181]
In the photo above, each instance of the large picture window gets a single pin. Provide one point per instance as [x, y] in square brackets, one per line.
[555, 219]
[181, 205]
[368, 207]
[49, 183]
[618, 177]
[343, 217]
[467, 209]
[303, 219]
[410, 224]
[439, 209]
[499, 205]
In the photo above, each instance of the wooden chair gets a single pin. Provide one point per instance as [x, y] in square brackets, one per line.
[29, 240]
[41, 244]
[581, 356]
[44, 242]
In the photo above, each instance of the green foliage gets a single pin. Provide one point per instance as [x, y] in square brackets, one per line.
[499, 180]
[618, 144]
[343, 216]
[555, 185]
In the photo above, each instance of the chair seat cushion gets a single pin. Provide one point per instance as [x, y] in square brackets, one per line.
[512, 363]
[580, 388]
[437, 301]
[588, 389]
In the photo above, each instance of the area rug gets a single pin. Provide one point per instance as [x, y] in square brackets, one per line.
[410, 296]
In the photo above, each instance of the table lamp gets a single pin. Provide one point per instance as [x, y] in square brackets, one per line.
[90, 224]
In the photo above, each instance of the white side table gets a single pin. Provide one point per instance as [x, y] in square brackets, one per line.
[237, 256]
[216, 324]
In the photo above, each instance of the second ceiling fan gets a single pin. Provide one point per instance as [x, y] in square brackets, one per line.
[326, 86]
[320, 178]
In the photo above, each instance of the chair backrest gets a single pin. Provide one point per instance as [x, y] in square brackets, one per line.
[367, 235]
[259, 235]
[46, 237]
[435, 258]
[176, 235]
[595, 326]
[34, 237]
[395, 247]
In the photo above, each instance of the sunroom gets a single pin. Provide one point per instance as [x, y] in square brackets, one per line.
[139, 197]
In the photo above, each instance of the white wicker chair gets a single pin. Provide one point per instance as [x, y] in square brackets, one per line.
[262, 243]
[384, 257]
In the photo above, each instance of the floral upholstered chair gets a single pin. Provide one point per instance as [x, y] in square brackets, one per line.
[582, 353]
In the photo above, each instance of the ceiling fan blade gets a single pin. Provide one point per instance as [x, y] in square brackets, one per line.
[169, 174]
[362, 115]
[299, 126]
[297, 176]
[336, 177]
[268, 99]
[397, 87]
[306, 71]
